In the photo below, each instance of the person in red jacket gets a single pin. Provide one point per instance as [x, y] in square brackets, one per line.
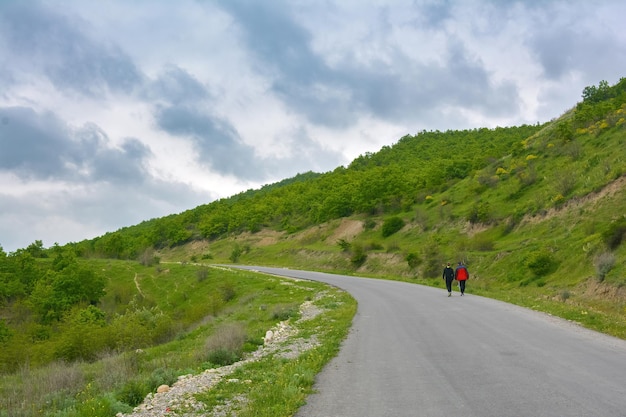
[461, 274]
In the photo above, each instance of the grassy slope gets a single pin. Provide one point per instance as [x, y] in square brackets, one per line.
[210, 323]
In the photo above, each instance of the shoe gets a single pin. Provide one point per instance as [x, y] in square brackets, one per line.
[449, 294]
[462, 294]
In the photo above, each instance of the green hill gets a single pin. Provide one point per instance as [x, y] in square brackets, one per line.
[537, 212]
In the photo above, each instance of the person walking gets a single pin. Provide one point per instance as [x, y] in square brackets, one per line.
[448, 276]
[461, 274]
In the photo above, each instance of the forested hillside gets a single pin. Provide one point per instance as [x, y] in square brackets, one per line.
[394, 179]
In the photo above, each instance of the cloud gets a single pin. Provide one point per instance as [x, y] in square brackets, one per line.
[176, 86]
[32, 145]
[390, 85]
[217, 142]
[41, 40]
[41, 146]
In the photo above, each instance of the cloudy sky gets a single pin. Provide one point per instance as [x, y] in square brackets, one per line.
[115, 111]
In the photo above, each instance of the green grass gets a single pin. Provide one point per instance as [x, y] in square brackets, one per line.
[205, 337]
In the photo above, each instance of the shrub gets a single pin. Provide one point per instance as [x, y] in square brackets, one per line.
[369, 224]
[413, 260]
[358, 256]
[148, 258]
[566, 183]
[133, 392]
[284, 312]
[225, 345]
[392, 225]
[433, 260]
[227, 290]
[604, 263]
[479, 213]
[615, 233]
[541, 263]
[344, 245]
[235, 254]
[223, 357]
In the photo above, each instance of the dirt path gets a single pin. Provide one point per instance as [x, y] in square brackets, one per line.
[138, 287]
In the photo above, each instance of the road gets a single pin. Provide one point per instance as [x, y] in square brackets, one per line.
[413, 351]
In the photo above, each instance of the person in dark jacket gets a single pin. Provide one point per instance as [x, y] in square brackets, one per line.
[448, 276]
[461, 274]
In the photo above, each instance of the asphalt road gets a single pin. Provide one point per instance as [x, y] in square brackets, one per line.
[413, 351]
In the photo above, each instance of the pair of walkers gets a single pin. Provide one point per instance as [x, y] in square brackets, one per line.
[461, 274]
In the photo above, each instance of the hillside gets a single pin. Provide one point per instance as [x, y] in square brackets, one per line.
[535, 212]
[528, 207]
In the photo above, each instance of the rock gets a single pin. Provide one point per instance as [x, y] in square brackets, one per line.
[163, 388]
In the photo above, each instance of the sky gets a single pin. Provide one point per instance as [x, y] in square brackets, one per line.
[113, 112]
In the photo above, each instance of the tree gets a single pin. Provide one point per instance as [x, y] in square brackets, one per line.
[58, 291]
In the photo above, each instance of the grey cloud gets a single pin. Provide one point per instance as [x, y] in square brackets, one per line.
[124, 165]
[175, 85]
[40, 39]
[284, 51]
[218, 142]
[433, 14]
[563, 50]
[32, 145]
[337, 96]
[42, 146]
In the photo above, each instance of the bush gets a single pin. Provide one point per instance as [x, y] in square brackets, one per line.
[392, 225]
[235, 254]
[284, 312]
[369, 224]
[344, 245]
[604, 263]
[223, 357]
[479, 213]
[133, 392]
[359, 256]
[615, 233]
[413, 260]
[541, 263]
[225, 345]
[162, 376]
[227, 290]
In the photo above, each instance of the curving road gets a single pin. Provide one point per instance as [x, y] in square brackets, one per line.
[412, 351]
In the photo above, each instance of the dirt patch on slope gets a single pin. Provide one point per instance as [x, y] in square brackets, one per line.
[268, 237]
[347, 229]
[265, 237]
[600, 290]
